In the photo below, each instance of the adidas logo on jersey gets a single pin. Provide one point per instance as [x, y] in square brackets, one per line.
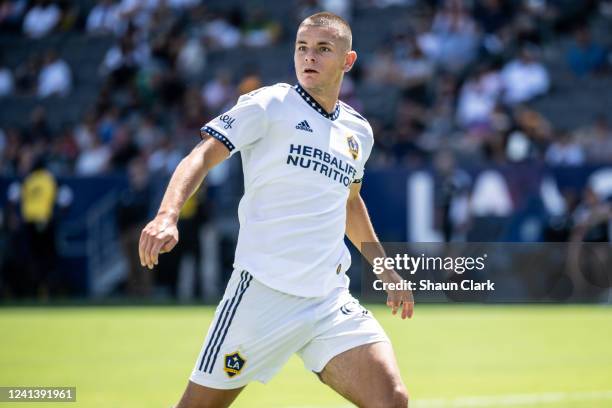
[303, 125]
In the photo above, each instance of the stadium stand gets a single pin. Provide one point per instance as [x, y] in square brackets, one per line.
[137, 92]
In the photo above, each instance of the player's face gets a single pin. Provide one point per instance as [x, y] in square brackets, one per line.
[321, 57]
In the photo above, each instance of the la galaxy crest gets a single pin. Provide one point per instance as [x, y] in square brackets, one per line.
[234, 363]
[353, 146]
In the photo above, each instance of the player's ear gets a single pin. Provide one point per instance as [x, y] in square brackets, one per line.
[349, 60]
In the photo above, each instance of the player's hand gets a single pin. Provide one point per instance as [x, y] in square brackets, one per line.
[158, 237]
[399, 298]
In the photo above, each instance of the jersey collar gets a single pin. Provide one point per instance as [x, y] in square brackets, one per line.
[315, 105]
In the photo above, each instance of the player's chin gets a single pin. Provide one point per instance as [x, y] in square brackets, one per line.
[309, 80]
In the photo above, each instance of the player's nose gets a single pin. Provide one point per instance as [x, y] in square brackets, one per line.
[309, 56]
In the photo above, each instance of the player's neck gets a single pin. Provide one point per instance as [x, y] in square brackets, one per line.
[327, 97]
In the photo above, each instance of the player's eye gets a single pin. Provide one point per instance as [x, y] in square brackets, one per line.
[325, 49]
[301, 48]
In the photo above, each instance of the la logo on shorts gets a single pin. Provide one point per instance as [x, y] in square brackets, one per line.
[233, 364]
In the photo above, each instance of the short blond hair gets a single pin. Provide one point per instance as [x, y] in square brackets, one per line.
[327, 19]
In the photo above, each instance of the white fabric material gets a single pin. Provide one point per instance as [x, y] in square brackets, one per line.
[524, 81]
[93, 161]
[104, 18]
[298, 168]
[264, 334]
[55, 78]
[7, 83]
[41, 20]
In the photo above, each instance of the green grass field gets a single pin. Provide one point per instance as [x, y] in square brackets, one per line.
[450, 356]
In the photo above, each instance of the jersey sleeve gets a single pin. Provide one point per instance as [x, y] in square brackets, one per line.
[367, 150]
[241, 126]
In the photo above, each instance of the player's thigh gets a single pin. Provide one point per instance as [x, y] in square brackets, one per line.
[368, 376]
[198, 396]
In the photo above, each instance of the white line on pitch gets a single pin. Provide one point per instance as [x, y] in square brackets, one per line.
[508, 400]
[511, 399]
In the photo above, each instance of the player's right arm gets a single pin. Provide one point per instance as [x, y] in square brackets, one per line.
[235, 130]
[161, 234]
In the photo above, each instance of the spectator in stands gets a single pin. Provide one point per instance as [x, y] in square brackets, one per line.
[493, 15]
[453, 39]
[122, 61]
[390, 3]
[592, 218]
[41, 19]
[62, 153]
[343, 8]
[71, 15]
[495, 18]
[183, 4]
[191, 58]
[148, 134]
[441, 123]
[38, 129]
[171, 88]
[94, 159]
[584, 55]
[250, 82]
[193, 215]
[3, 142]
[123, 148]
[221, 32]
[165, 157]
[11, 12]
[189, 121]
[138, 13]
[478, 98]
[414, 68]
[525, 77]
[534, 125]
[26, 74]
[85, 131]
[132, 212]
[411, 118]
[104, 19]
[348, 94]
[36, 198]
[534, 22]
[7, 83]
[305, 8]
[597, 141]
[451, 196]
[107, 124]
[383, 69]
[605, 9]
[565, 151]
[55, 78]
[260, 30]
[218, 92]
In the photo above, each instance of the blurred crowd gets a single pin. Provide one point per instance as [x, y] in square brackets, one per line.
[462, 76]
[466, 71]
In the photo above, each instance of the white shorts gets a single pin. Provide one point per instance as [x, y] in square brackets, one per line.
[256, 329]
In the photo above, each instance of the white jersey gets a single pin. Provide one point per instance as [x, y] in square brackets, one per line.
[299, 163]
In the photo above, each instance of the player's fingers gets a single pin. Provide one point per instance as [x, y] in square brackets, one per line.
[148, 251]
[168, 245]
[157, 245]
[145, 240]
[141, 244]
[163, 245]
[410, 309]
[393, 304]
[406, 309]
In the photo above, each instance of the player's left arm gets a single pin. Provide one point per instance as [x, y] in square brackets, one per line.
[359, 230]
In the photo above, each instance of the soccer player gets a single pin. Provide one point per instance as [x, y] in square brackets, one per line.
[303, 154]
